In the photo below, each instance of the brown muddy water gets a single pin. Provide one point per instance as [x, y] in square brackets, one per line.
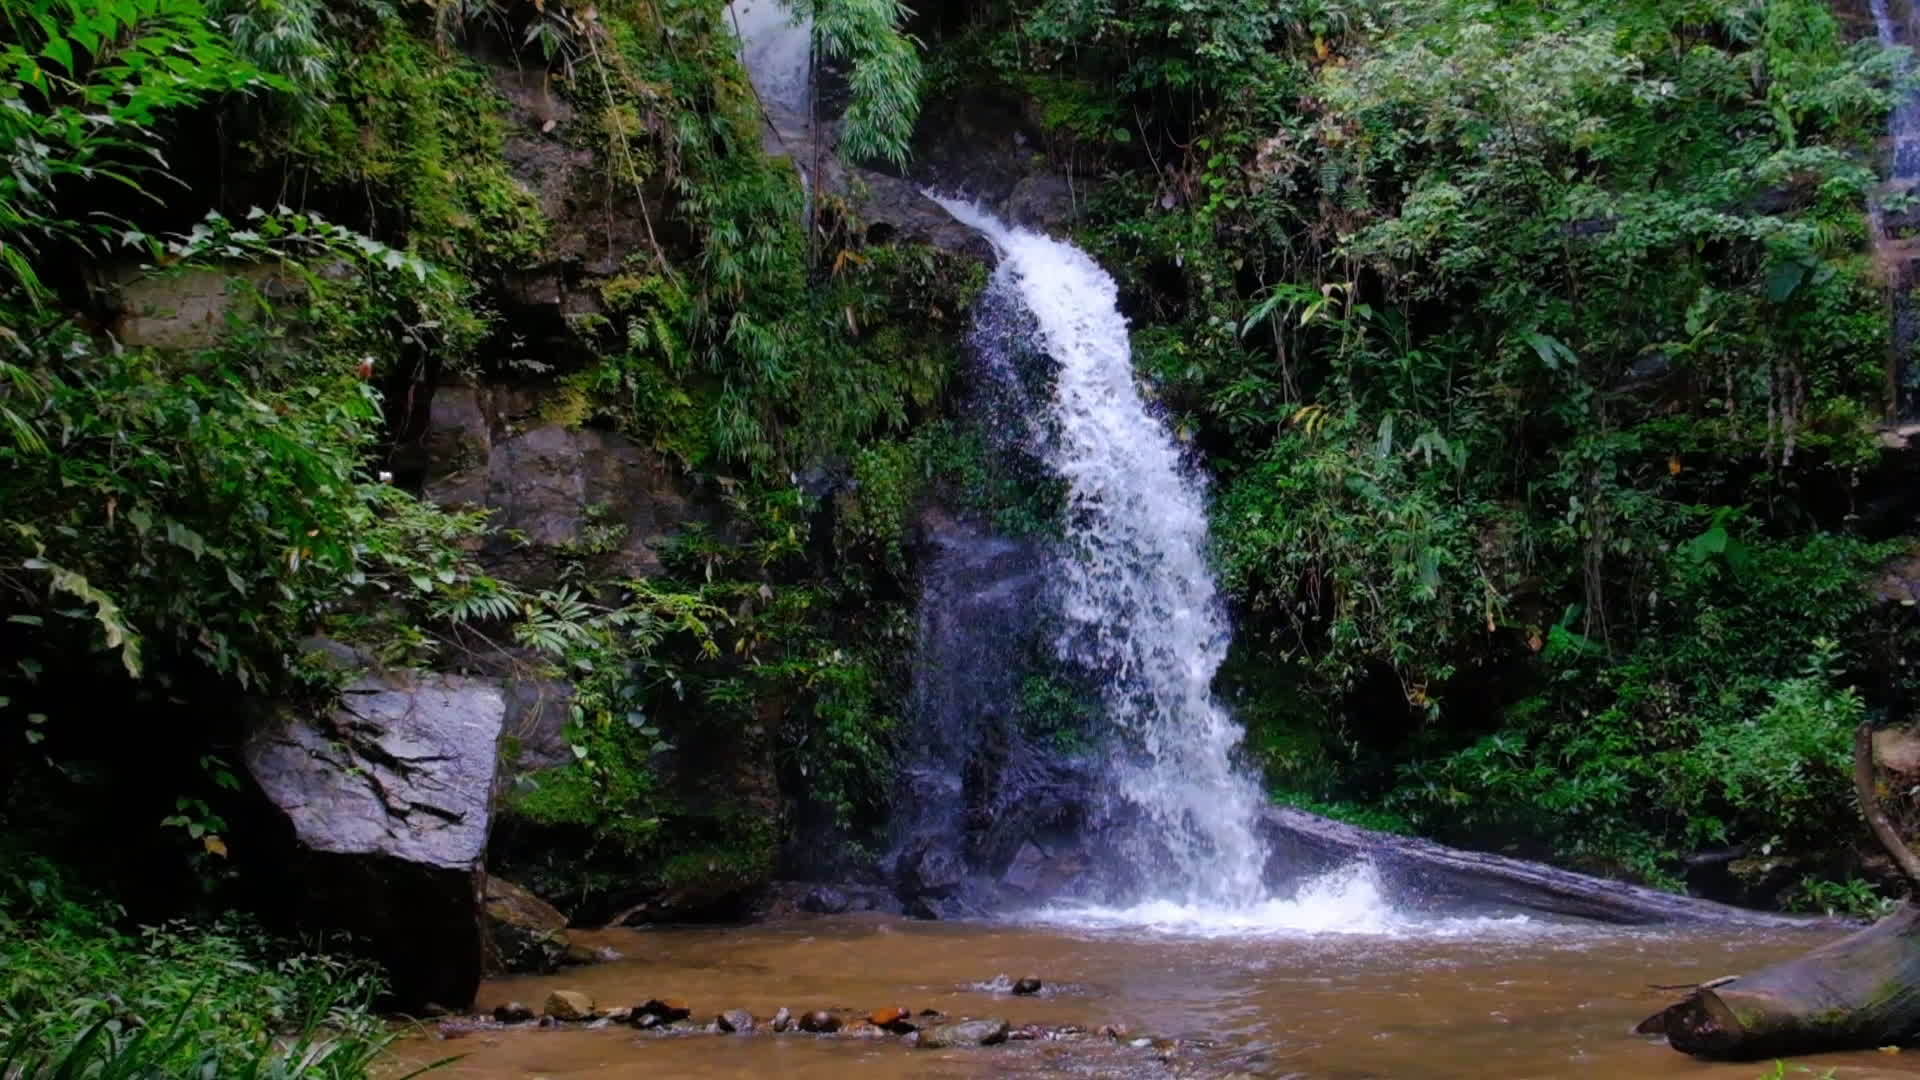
[1489, 998]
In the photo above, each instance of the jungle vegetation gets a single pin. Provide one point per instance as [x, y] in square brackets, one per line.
[1537, 351]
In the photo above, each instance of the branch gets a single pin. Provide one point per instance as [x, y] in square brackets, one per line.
[1883, 829]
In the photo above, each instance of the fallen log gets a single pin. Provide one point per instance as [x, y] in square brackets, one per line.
[1857, 993]
[1420, 874]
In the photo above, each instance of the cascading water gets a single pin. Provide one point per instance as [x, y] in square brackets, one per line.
[776, 48]
[1893, 229]
[1137, 602]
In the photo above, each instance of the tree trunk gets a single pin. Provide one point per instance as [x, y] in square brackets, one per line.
[1858, 993]
[1434, 877]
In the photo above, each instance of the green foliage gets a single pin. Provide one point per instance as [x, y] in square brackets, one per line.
[79, 998]
[84, 88]
[419, 133]
[216, 499]
[884, 85]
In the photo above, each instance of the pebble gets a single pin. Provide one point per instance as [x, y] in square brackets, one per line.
[783, 1019]
[736, 1022]
[1027, 986]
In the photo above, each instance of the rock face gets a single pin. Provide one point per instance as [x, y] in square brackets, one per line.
[387, 802]
[525, 934]
[569, 496]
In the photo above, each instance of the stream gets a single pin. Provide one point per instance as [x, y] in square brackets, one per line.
[1506, 998]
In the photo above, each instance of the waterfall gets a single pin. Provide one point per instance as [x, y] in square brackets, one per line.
[1893, 229]
[776, 48]
[1137, 603]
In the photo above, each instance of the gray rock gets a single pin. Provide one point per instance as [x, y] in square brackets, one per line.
[1044, 202]
[782, 1019]
[736, 1022]
[964, 1033]
[388, 802]
[825, 900]
[1027, 986]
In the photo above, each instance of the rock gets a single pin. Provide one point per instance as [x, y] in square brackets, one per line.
[621, 1015]
[964, 1033]
[569, 1005]
[582, 955]
[1026, 1033]
[388, 802]
[525, 934]
[861, 1029]
[895, 1019]
[568, 495]
[668, 1009]
[735, 1022]
[929, 871]
[820, 1022]
[825, 900]
[1114, 1031]
[513, 1012]
[1027, 986]
[191, 309]
[1042, 202]
[782, 1019]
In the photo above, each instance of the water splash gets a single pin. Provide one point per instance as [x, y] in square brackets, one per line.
[776, 48]
[1347, 900]
[1893, 228]
[1137, 597]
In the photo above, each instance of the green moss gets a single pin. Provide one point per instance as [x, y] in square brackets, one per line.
[423, 132]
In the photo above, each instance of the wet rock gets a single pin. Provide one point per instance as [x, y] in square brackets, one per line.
[1043, 202]
[621, 1015]
[989, 1032]
[569, 1005]
[1027, 985]
[525, 934]
[668, 1009]
[895, 1019]
[825, 900]
[389, 801]
[782, 1019]
[1114, 1031]
[862, 1029]
[735, 1022]
[1026, 1033]
[929, 871]
[513, 1012]
[820, 1022]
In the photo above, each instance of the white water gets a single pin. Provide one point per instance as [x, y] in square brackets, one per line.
[1343, 901]
[776, 48]
[1140, 606]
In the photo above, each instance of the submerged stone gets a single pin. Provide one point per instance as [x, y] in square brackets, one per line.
[569, 1005]
[989, 1032]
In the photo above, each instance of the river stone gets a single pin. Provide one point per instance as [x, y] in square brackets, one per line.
[1027, 986]
[513, 1012]
[820, 1022]
[964, 1033]
[526, 935]
[387, 805]
[735, 1021]
[569, 1005]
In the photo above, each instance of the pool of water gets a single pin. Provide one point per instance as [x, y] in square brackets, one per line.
[1375, 997]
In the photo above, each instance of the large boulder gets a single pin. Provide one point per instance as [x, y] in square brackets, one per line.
[525, 934]
[387, 802]
[564, 497]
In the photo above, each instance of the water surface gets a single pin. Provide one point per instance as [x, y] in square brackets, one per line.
[1459, 999]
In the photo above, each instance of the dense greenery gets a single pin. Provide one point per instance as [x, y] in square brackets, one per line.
[1537, 347]
[81, 998]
